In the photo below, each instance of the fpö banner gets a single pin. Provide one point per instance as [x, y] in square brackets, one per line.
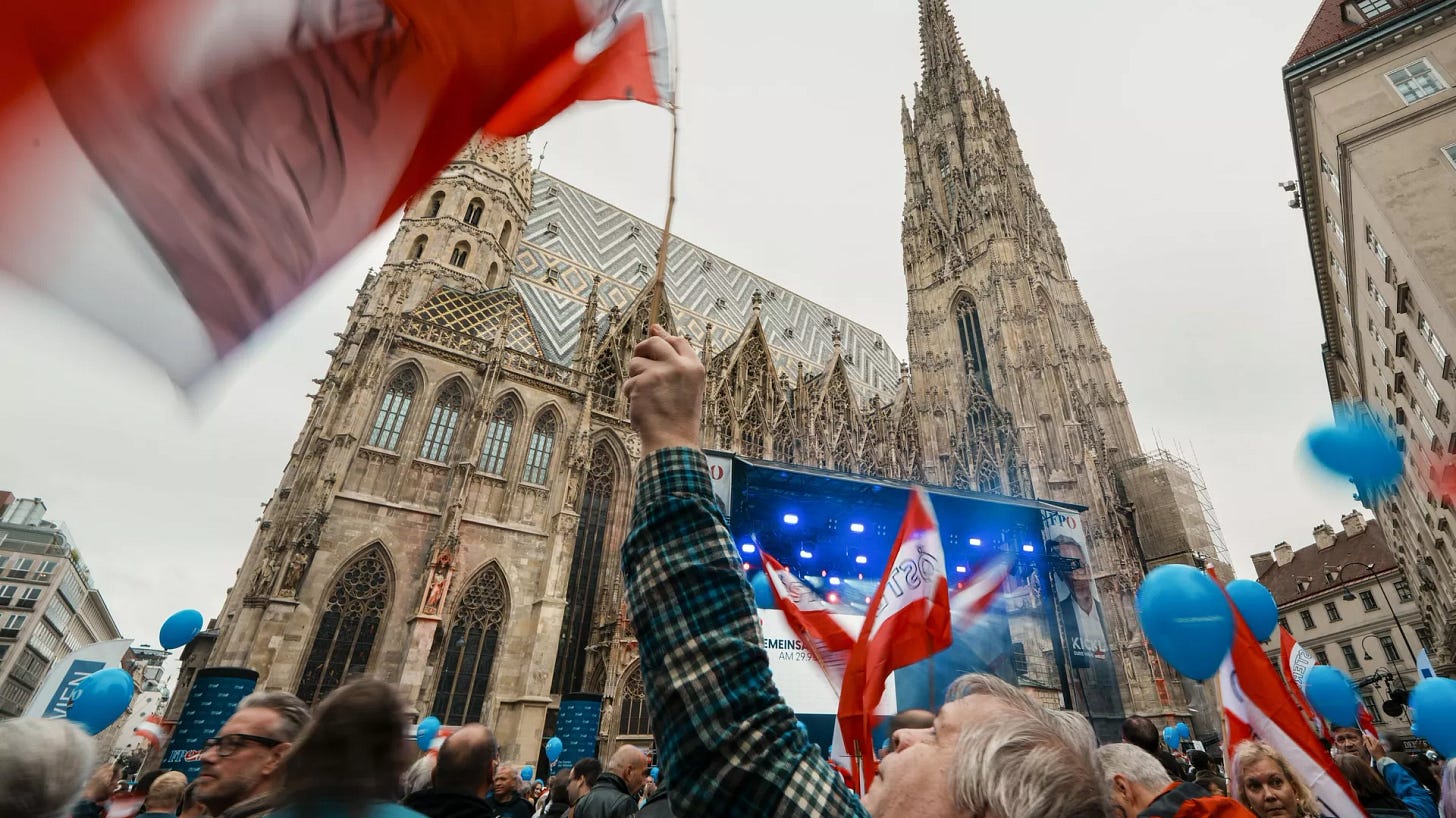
[53, 698]
[1079, 611]
[215, 695]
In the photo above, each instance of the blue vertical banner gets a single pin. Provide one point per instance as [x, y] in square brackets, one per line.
[577, 725]
[214, 697]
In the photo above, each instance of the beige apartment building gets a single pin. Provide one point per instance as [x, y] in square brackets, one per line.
[1344, 598]
[1373, 120]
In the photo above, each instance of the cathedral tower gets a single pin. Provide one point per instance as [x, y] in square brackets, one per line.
[1015, 391]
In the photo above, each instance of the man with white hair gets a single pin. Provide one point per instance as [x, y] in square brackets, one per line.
[728, 743]
[44, 763]
[1139, 787]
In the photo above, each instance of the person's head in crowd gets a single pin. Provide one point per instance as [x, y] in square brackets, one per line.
[584, 775]
[1351, 740]
[992, 752]
[1369, 786]
[1134, 778]
[164, 792]
[504, 788]
[1200, 762]
[467, 762]
[245, 759]
[144, 781]
[353, 753]
[1213, 782]
[630, 764]
[420, 775]
[47, 763]
[191, 807]
[559, 783]
[912, 719]
[1267, 784]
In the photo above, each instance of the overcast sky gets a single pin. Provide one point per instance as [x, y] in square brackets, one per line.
[1157, 134]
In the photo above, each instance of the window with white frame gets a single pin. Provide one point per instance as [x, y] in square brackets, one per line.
[21, 567]
[7, 594]
[1430, 335]
[1381, 256]
[1349, 319]
[1328, 170]
[1425, 424]
[1379, 299]
[1426, 382]
[1416, 81]
[45, 570]
[1334, 224]
[28, 598]
[1450, 151]
[12, 625]
[1372, 8]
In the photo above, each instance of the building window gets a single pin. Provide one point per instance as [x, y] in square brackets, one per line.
[11, 628]
[1403, 591]
[460, 254]
[1426, 382]
[1430, 335]
[21, 567]
[7, 594]
[393, 410]
[469, 651]
[435, 201]
[1351, 659]
[1321, 657]
[418, 249]
[1332, 611]
[1329, 171]
[1368, 600]
[1375, 713]
[1372, 8]
[1423, 637]
[498, 438]
[1306, 620]
[473, 211]
[973, 347]
[1388, 645]
[538, 456]
[45, 570]
[3, 558]
[1416, 81]
[1450, 151]
[1334, 225]
[1284, 623]
[28, 598]
[590, 562]
[633, 718]
[441, 431]
[505, 238]
[348, 626]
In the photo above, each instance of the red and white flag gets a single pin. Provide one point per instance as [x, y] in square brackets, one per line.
[152, 730]
[1256, 704]
[439, 741]
[1296, 660]
[908, 620]
[981, 588]
[811, 620]
[178, 171]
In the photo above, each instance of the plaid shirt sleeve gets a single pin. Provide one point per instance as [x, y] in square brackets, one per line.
[728, 745]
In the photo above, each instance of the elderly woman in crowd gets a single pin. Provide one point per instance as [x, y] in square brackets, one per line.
[1267, 785]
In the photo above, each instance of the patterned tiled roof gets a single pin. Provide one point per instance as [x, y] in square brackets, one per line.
[481, 315]
[572, 236]
[1329, 27]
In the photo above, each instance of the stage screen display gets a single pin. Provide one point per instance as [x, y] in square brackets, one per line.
[836, 532]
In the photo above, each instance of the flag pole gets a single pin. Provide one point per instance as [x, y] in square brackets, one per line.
[659, 278]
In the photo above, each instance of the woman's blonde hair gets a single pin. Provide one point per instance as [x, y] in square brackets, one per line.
[1254, 751]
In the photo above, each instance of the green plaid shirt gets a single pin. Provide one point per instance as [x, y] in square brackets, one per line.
[728, 745]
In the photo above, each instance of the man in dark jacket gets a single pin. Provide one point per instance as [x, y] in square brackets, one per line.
[1139, 787]
[657, 805]
[464, 770]
[615, 793]
[505, 800]
[1140, 732]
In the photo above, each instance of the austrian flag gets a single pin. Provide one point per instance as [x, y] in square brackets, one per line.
[152, 730]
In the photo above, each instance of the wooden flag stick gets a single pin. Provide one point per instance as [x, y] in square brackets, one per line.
[659, 278]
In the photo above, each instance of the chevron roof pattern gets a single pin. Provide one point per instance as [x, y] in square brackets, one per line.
[481, 315]
[572, 236]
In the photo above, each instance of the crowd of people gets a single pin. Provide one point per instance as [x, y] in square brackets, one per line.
[727, 743]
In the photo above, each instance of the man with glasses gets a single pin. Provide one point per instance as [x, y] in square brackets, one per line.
[243, 762]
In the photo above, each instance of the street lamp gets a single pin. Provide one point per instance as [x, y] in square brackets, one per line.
[1350, 597]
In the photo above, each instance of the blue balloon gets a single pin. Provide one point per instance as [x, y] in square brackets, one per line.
[653, 773]
[1358, 447]
[1187, 618]
[1332, 695]
[527, 771]
[1184, 731]
[100, 698]
[553, 749]
[1170, 736]
[427, 730]
[180, 627]
[1433, 705]
[1256, 605]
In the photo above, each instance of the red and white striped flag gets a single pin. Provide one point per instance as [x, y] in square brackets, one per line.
[152, 730]
[908, 620]
[1256, 704]
[438, 741]
[1296, 660]
[981, 588]
[811, 620]
[178, 171]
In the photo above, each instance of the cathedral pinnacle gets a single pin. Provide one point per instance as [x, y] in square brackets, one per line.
[941, 54]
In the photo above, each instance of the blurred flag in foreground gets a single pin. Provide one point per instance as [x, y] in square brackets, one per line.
[179, 170]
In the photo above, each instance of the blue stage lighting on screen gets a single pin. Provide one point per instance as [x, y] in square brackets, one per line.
[791, 519]
[834, 580]
[1028, 548]
[861, 559]
[748, 548]
[857, 528]
[974, 541]
[960, 569]
[806, 554]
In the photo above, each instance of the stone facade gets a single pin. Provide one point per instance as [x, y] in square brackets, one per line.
[452, 510]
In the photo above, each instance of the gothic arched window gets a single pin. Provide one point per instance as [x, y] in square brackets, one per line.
[588, 558]
[470, 647]
[750, 429]
[347, 627]
[498, 438]
[460, 254]
[490, 278]
[505, 239]
[473, 211]
[435, 202]
[988, 479]
[605, 381]
[632, 715]
[393, 410]
[538, 457]
[441, 431]
[973, 346]
[942, 159]
[418, 249]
